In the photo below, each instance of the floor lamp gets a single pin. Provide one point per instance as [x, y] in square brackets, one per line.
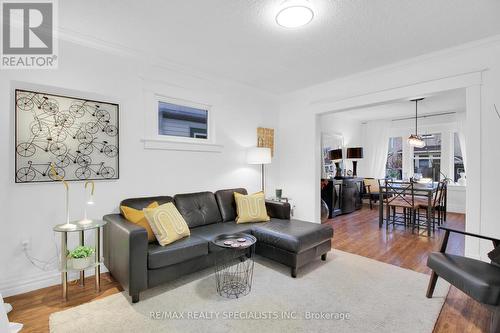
[262, 156]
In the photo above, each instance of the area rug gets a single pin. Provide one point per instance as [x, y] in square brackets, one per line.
[347, 293]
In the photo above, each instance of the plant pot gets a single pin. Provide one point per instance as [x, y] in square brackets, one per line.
[81, 263]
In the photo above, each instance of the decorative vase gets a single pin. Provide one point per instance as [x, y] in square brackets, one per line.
[81, 263]
[325, 212]
[462, 180]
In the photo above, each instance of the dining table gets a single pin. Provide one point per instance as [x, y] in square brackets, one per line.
[426, 190]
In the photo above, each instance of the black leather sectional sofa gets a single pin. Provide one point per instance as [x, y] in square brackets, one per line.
[138, 265]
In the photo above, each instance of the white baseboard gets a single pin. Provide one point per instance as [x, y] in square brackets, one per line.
[19, 286]
[455, 209]
[45, 279]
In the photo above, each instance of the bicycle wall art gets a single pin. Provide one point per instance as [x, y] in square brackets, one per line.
[78, 136]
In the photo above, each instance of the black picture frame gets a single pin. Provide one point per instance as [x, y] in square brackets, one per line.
[58, 121]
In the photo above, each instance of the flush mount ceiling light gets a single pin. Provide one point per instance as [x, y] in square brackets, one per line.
[294, 14]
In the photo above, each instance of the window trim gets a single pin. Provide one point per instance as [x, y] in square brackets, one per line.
[182, 102]
[155, 141]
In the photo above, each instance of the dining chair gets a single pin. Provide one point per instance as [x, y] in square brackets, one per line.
[436, 205]
[399, 195]
[372, 190]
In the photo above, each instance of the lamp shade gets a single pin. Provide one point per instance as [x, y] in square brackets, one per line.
[259, 155]
[336, 154]
[355, 152]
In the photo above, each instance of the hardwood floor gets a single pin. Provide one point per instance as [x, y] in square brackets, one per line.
[356, 233]
[359, 233]
[34, 308]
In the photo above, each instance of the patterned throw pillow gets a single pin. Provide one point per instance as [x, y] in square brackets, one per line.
[167, 223]
[137, 217]
[251, 208]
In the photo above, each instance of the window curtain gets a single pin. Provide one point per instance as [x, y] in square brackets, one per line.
[461, 129]
[375, 148]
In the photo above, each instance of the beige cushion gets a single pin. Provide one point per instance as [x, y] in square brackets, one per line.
[251, 208]
[374, 186]
[167, 223]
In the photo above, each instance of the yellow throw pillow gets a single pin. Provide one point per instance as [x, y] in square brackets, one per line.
[137, 216]
[251, 208]
[167, 223]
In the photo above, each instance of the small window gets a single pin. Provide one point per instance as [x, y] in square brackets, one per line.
[182, 121]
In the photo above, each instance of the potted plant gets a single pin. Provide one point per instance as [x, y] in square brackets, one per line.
[81, 257]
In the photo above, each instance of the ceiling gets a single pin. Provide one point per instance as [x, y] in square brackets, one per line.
[239, 39]
[448, 101]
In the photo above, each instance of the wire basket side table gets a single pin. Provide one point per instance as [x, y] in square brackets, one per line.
[234, 264]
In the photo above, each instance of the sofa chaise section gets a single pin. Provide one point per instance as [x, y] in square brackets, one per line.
[292, 242]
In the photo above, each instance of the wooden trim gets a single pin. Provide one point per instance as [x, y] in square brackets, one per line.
[163, 144]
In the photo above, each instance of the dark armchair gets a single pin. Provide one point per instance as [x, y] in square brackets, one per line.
[478, 279]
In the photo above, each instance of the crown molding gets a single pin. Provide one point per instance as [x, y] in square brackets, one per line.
[161, 62]
[397, 66]
[147, 59]
[409, 90]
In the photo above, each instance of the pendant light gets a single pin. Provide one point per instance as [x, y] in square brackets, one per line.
[416, 140]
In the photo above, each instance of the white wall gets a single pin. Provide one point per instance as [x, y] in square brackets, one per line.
[299, 110]
[349, 128]
[456, 199]
[30, 210]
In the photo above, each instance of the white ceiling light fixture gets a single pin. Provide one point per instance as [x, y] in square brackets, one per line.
[294, 14]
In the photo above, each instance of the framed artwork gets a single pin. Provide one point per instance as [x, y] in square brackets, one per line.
[265, 138]
[59, 136]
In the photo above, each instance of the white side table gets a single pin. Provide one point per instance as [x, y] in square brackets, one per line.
[65, 267]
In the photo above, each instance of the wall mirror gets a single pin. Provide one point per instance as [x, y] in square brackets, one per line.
[329, 141]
